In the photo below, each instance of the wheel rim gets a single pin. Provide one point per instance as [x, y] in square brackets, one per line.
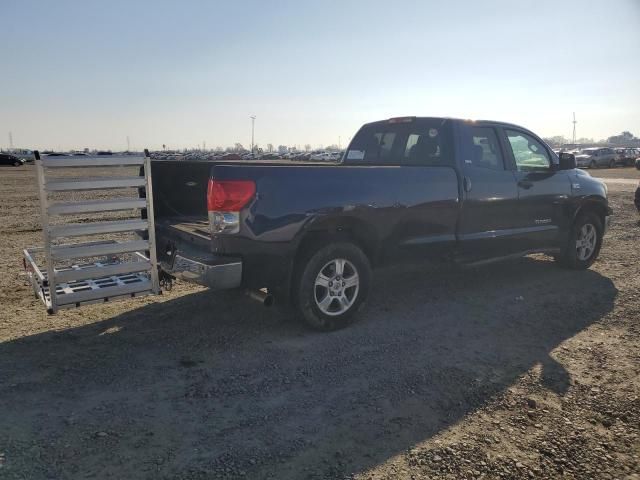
[336, 287]
[586, 241]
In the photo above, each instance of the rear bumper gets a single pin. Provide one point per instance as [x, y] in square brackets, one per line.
[184, 252]
[217, 273]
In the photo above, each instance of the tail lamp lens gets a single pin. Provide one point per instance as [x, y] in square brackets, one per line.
[229, 195]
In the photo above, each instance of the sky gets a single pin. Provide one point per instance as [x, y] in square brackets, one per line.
[89, 73]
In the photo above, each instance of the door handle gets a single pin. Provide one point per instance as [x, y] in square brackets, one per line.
[526, 184]
[466, 184]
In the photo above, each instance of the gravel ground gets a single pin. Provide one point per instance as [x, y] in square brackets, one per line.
[516, 370]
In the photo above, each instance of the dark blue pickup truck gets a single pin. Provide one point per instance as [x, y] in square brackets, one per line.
[407, 189]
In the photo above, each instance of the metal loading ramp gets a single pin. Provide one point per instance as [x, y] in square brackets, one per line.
[70, 271]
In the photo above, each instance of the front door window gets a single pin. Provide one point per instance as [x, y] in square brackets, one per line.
[529, 154]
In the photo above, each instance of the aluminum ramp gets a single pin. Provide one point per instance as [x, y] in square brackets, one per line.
[76, 273]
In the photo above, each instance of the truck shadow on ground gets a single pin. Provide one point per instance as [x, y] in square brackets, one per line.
[209, 385]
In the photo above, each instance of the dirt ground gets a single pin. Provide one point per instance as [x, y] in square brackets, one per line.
[515, 370]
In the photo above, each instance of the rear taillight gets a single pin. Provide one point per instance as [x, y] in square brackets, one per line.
[229, 195]
[225, 199]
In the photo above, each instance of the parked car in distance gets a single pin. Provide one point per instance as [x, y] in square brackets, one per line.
[326, 156]
[270, 156]
[10, 159]
[408, 190]
[596, 157]
[627, 156]
[231, 156]
[24, 154]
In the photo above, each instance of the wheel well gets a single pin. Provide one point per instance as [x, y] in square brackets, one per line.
[593, 207]
[339, 230]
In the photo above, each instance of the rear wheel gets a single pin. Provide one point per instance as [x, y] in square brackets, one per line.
[585, 241]
[331, 285]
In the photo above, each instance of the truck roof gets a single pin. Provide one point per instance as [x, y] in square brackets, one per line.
[408, 119]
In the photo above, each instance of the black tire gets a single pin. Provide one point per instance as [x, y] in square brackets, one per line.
[593, 164]
[612, 164]
[17, 164]
[570, 256]
[306, 293]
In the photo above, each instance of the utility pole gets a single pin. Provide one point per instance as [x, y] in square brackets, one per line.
[128, 144]
[253, 124]
[574, 128]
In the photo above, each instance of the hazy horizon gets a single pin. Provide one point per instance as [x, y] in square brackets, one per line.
[85, 74]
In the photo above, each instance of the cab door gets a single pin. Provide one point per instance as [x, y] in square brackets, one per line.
[544, 191]
[489, 212]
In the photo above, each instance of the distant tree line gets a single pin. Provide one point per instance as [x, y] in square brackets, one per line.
[625, 139]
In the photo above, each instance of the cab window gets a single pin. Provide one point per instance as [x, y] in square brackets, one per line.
[528, 153]
[418, 142]
[485, 149]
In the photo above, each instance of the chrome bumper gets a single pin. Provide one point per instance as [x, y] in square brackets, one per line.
[215, 276]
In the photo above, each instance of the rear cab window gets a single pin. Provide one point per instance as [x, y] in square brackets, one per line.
[404, 141]
[485, 148]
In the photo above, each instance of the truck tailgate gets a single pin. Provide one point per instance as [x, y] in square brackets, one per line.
[180, 188]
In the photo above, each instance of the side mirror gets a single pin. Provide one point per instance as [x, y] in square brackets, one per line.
[567, 161]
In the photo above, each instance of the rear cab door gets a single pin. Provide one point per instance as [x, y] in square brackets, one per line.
[422, 220]
[544, 191]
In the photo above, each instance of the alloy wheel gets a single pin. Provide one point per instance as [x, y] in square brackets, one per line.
[336, 287]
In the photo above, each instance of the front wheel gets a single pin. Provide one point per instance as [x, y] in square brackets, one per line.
[585, 241]
[331, 285]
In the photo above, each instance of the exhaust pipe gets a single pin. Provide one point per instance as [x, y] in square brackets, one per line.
[266, 299]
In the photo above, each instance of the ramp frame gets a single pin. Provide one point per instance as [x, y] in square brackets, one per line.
[117, 269]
